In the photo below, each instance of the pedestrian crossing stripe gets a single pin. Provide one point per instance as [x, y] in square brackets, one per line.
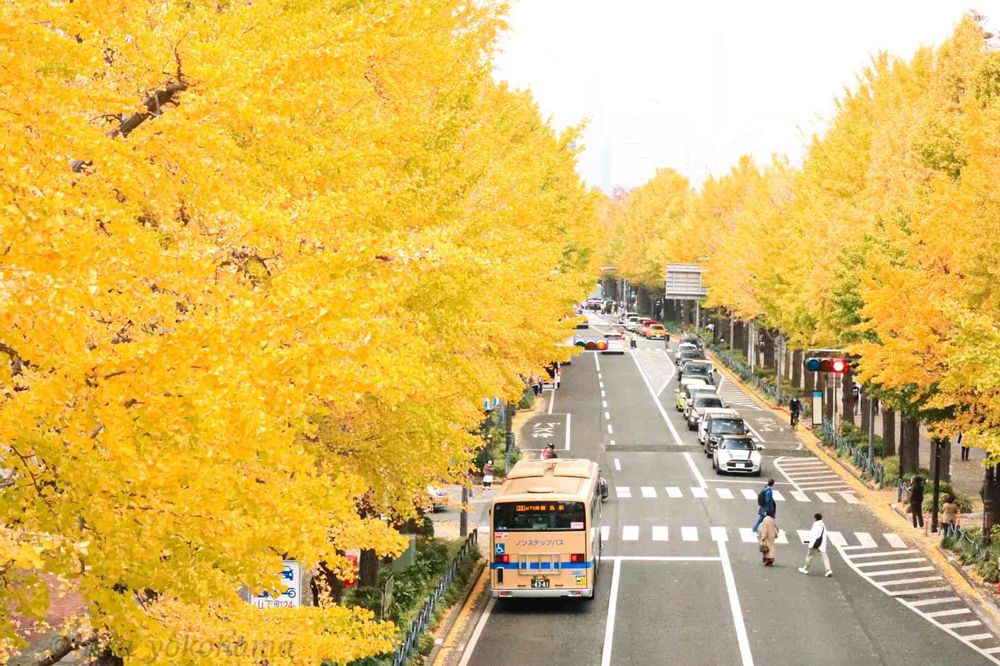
[862, 540]
[723, 493]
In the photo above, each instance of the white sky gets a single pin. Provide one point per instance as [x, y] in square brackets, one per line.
[692, 84]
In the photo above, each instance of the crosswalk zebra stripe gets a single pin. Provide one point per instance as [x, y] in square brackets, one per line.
[747, 535]
[630, 533]
[660, 533]
[934, 602]
[698, 491]
[800, 496]
[850, 498]
[648, 491]
[882, 563]
[910, 581]
[724, 493]
[719, 534]
[689, 533]
[825, 498]
[605, 532]
[804, 535]
[749, 494]
[782, 537]
[776, 494]
[837, 539]
[858, 556]
[866, 540]
[978, 637]
[896, 572]
[924, 590]
[673, 491]
[623, 492]
[945, 613]
[894, 540]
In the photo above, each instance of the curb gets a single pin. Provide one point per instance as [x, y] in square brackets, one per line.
[456, 625]
[979, 597]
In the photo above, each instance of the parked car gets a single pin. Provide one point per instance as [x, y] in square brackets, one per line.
[438, 497]
[696, 407]
[716, 424]
[689, 392]
[696, 368]
[615, 344]
[680, 393]
[737, 454]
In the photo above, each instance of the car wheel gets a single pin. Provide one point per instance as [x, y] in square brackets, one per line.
[758, 472]
[718, 471]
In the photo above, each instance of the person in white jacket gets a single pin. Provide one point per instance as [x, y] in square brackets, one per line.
[817, 544]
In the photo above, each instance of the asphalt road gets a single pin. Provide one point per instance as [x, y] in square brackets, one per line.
[681, 580]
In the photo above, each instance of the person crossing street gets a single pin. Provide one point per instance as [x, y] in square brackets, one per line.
[817, 546]
[766, 504]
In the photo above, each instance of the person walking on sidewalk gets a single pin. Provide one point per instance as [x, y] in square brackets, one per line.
[949, 515]
[917, 501]
[961, 443]
[765, 502]
[488, 474]
[768, 535]
[817, 546]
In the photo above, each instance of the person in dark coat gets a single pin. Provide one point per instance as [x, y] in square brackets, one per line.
[917, 501]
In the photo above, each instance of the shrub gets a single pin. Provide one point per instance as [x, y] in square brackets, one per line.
[963, 501]
[891, 466]
[527, 399]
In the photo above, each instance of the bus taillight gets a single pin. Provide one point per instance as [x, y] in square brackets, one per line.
[576, 558]
[502, 559]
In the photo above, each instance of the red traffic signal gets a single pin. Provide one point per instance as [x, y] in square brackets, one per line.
[838, 366]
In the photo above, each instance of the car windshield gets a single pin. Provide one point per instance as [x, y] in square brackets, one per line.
[738, 445]
[693, 391]
[727, 426]
[697, 369]
[707, 402]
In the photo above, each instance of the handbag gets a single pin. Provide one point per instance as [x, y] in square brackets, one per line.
[763, 548]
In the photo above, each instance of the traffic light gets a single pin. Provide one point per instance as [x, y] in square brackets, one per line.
[838, 366]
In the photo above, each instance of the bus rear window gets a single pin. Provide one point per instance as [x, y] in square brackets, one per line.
[538, 516]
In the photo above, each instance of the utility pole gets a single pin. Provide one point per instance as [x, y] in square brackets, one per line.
[871, 427]
[778, 362]
[937, 484]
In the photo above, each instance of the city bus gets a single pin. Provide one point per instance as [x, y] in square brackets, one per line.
[546, 521]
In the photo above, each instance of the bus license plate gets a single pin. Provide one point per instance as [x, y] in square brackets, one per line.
[539, 583]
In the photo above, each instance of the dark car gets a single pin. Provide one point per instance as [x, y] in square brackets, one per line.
[716, 427]
[696, 368]
[685, 356]
[691, 340]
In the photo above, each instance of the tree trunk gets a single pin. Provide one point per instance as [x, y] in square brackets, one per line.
[990, 492]
[865, 409]
[945, 459]
[847, 396]
[809, 382]
[48, 650]
[909, 446]
[828, 398]
[797, 368]
[368, 567]
[768, 360]
[888, 433]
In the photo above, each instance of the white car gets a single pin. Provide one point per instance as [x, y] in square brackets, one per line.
[632, 322]
[737, 454]
[695, 408]
[616, 344]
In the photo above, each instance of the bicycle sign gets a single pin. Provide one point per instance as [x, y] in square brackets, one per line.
[289, 586]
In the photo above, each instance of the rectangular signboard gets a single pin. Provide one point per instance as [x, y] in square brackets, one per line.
[684, 282]
[289, 587]
[817, 408]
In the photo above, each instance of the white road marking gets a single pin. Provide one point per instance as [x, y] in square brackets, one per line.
[476, 633]
[604, 403]
[605, 532]
[694, 470]
[607, 415]
[748, 494]
[782, 537]
[850, 498]
[978, 637]
[858, 556]
[630, 533]
[724, 493]
[597, 362]
[747, 535]
[719, 534]
[882, 563]
[909, 581]
[746, 657]
[946, 613]
[674, 492]
[866, 540]
[699, 492]
[822, 496]
[660, 533]
[803, 535]
[661, 558]
[933, 602]
[600, 376]
[923, 590]
[837, 539]
[567, 430]
[611, 442]
[603, 394]
[800, 496]
[962, 625]
[894, 572]
[623, 492]
[618, 465]
[601, 384]
[552, 399]
[659, 405]
[777, 495]
[894, 540]
[689, 533]
[609, 627]
[610, 431]
[648, 491]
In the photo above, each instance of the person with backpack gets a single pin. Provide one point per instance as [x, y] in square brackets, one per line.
[794, 409]
[817, 546]
[765, 504]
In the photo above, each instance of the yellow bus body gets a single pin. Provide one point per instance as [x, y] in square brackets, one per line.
[546, 525]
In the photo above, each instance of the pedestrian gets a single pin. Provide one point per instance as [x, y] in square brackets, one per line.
[949, 515]
[875, 406]
[917, 501]
[961, 442]
[557, 377]
[488, 474]
[856, 394]
[633, 340]
[549, 451]
[765, 503]
[768, 534]
[817, 546]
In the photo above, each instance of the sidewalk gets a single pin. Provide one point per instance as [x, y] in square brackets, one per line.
[966, 475]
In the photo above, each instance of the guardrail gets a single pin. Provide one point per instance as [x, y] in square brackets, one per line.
[858, 454]
[417, 627]
[747, 375]
[978, 544]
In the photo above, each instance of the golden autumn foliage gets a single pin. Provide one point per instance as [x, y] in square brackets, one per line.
[886, 240]
[260, 262]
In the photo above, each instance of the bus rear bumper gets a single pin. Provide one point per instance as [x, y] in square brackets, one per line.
[580, 593]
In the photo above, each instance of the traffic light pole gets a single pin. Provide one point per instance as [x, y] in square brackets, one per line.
[937, 485]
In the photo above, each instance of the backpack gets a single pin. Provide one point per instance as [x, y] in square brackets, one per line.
[760, 498]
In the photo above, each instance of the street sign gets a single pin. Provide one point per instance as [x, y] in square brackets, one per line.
[684, 282]
[817, 408]
[289, 585]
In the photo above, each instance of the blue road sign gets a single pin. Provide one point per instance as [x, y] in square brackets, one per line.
[500, 548]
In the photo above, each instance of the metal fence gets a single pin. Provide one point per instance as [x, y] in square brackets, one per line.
[978, 543]
[417, 627]
[858, 454]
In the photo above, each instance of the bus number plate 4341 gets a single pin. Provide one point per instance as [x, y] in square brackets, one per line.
[539, 583]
